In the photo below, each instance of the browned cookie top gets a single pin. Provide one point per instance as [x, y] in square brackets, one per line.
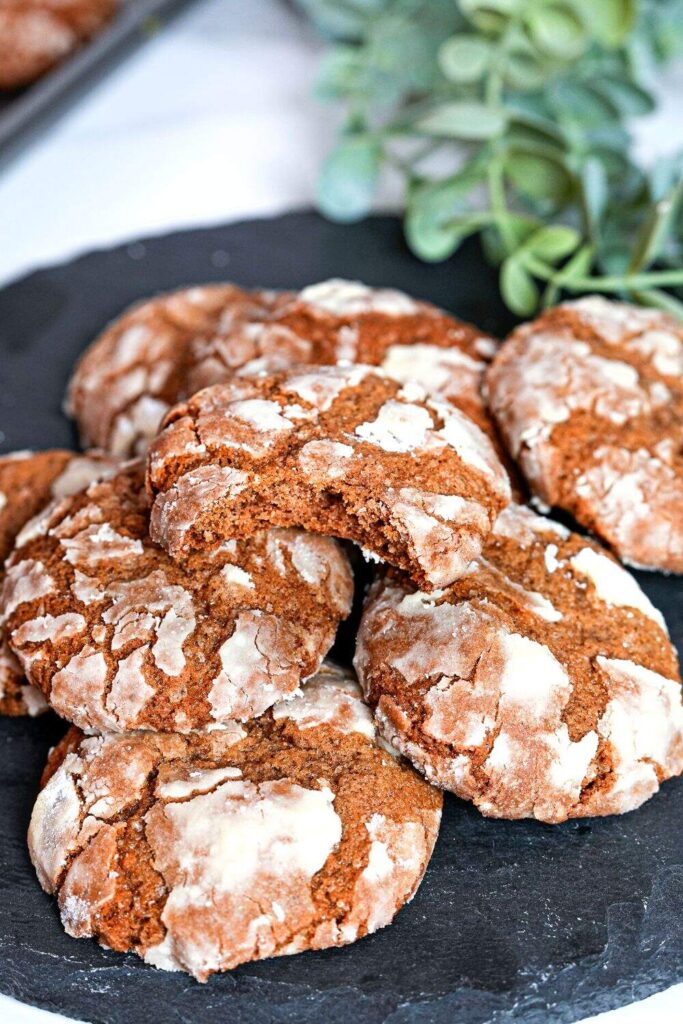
[37, 34]
[130, 375]
[120, 637]
[346, 321]
[589, 398]
[542, 684]
[338, 450]
[297, 831]
[166, 348]
[28, 482]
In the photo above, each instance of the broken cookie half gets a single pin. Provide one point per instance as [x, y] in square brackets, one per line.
[337, 450]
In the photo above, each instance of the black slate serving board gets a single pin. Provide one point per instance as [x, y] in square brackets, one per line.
[515, 921]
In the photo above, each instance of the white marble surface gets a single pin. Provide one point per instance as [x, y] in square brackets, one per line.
[210, 121]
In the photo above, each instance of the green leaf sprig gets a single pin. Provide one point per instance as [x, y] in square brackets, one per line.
[509, 118]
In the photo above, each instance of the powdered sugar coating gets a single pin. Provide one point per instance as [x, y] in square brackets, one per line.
[202, 852]
[502, 688]
[613, 584]
[331, 698]
[30, 482]
[169, 347]
[351, 298]
[16, 696]
[447, 372]
[590, 401]
[80, 471]
[126, 381]
[410, 478]
[642, 725]
[637, 499]
[119, 637]
[243, 840]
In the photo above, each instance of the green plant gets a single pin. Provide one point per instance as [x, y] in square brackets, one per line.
[510, 118]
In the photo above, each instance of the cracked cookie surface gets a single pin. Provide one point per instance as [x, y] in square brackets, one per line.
[589, 399]
[543, 684]
[295, 831]
[165, 349]
[338, 450]
[119, 637]
[28, 482]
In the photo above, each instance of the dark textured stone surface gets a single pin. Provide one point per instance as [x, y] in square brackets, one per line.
[515, 921]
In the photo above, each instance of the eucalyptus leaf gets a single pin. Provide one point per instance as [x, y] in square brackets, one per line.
[437, 217]
[538, 176]
[464, 58]
[394, 49]
[518, 288]
[433, 240]
[661, 300]
[653, 232]
[340, 20]
[610, 21]
[519, 114]
[523, 71]
[579, 265]
[341, 72]
[595, 190]
[538, 96]
[629, 99]
[488, 15]
[464, 120]
[517, 226]
[553, 243]
[556, 29]
[348, 179]
[578, 102]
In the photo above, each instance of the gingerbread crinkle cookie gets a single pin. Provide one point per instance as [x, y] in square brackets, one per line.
[341, 451]
[119, 637]
[200, 852]
[542, 684]
[589, 399]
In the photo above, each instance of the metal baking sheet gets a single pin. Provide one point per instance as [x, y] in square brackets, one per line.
[25, 113]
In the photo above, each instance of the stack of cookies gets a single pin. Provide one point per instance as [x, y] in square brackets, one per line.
[225, 793]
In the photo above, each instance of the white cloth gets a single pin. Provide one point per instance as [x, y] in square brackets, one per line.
[210, 121]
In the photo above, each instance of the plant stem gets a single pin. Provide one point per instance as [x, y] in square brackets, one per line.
[493, 94]
[608, 283]
[627, 282]
[499, 208]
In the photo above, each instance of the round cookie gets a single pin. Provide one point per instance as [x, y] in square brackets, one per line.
[119, 637]
[28, 482]
[134, 371]
[543, 684]
[297, 831]
[37, 34]
[338, 450]
[164, 349]
[589, 399]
